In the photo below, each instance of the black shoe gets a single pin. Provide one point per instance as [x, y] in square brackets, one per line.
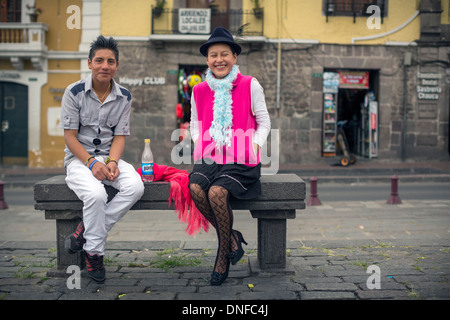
[218, 278]
[75, 241]
[235, 256]
[95, 267]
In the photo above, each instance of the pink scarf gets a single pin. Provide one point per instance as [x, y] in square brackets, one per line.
[180, 194]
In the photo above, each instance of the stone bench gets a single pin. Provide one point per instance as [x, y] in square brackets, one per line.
[282, 195]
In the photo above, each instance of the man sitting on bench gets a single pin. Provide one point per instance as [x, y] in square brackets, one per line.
[95, 116]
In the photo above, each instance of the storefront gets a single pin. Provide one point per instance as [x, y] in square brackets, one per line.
[350, 114]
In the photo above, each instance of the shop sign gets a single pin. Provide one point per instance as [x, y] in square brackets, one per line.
[57, 93]
[194, 21]
[354, 79]
[152, 81]
[428, 88]
[10, 75]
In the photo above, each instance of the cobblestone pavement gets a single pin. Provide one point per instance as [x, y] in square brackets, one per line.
[406, 272]
[331, 250]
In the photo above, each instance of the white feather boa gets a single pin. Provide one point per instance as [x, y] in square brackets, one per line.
[220, 130]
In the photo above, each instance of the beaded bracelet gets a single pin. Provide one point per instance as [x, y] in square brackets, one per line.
[87, 161]
[108, 160]
[92, 164]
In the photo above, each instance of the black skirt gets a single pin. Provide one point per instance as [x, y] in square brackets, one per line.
[241, 181]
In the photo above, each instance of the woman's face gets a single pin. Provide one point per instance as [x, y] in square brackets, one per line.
[220, 59]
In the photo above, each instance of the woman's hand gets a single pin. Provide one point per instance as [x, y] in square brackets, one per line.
[256, 147]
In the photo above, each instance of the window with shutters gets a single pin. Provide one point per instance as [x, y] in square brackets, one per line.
[10, 10]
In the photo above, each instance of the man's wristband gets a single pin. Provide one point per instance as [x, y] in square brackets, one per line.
[108, 160]
[87, 161]
[92, 164]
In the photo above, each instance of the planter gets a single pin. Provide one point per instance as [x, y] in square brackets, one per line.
[214, 8]
[258, 12]
[157, 11]
[33, 17]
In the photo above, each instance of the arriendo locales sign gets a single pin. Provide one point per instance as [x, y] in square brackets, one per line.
[194, 21]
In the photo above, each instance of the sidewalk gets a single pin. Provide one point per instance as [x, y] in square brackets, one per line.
[365, 170]
[330, 248]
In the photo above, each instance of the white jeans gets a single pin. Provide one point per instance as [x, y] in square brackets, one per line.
[98, 215]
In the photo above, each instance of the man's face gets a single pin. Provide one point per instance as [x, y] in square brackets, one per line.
[220, 59]
[103, 65]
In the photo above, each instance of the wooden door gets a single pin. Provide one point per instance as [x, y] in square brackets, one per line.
[14, 122]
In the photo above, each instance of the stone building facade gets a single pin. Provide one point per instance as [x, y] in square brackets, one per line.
[298, 115]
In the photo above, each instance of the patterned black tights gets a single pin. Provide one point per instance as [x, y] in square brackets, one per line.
[216, 209]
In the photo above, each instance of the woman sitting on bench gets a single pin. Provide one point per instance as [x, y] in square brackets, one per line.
[229, 125]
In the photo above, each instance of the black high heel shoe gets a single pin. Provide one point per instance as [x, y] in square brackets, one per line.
[235, 256]
[218, 278]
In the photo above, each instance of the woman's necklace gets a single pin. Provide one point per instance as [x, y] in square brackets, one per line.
[102, 99]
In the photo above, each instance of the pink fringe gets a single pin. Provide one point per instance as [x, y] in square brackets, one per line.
[181, 197]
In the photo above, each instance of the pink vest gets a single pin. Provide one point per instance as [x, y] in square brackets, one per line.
[244, 125]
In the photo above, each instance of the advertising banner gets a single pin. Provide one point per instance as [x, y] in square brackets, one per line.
[354, 79]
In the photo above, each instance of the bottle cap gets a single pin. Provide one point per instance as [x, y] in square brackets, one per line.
[147, 140]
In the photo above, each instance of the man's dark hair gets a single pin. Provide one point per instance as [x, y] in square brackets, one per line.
[103, 43]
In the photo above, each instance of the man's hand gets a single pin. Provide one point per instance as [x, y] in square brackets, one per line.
[113, 170]
[101, 171]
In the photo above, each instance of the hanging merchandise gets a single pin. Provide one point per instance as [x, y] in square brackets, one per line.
[180, 112]
[180, 82]
[373, 111]
[183, 88]
[193, 79]
[188, 77]
[330, 89]
[369, 126]
[330, 82]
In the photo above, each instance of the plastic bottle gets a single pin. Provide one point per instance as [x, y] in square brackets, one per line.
[147, 162]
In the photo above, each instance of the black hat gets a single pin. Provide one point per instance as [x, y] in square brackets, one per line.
[220, 35]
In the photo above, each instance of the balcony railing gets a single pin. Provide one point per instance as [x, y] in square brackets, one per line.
[239, 22]
[19, 41]
[23, 35]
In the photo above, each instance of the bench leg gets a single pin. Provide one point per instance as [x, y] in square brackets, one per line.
[65, 259]
[271, 243]
[272, 237]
